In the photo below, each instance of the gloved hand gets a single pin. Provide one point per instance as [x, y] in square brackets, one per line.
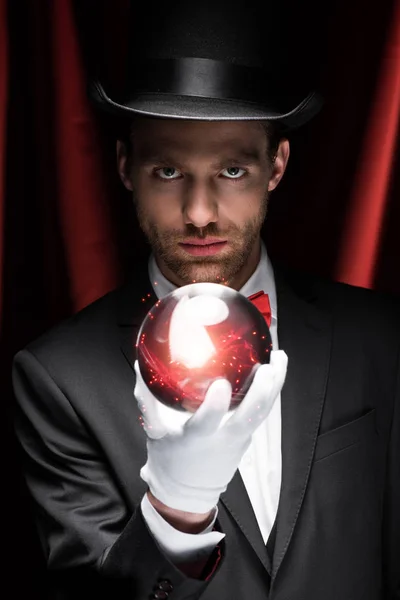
[191, 458]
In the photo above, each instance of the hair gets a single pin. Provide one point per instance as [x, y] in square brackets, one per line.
[274, 132]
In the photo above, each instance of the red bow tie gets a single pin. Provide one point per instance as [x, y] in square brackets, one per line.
[261, 301]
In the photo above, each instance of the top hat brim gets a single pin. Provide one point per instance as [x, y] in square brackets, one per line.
[204, 62]
[178, 106]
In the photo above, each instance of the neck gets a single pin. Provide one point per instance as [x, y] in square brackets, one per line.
[248, 269]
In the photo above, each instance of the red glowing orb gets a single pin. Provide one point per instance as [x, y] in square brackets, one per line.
[197, 334]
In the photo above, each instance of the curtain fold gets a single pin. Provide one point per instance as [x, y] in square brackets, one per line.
[363, 226]
[83, 202]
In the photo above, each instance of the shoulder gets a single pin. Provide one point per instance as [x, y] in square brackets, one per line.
[91, 335]
[357, 299]
[353, 306]
[307, 283]
[89, 323]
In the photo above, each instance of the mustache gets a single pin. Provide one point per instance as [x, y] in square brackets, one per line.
[192, 232]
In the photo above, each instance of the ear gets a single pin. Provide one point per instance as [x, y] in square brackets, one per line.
[280, 164]
[122, 165]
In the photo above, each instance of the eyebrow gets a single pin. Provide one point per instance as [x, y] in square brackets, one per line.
[242, 157]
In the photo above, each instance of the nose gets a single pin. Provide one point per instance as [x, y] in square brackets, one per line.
[200, 206]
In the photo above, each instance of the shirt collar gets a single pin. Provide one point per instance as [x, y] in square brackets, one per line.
[262, 279]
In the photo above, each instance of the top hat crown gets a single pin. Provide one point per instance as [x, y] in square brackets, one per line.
[212, 61]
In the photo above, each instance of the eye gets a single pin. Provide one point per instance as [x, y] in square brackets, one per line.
[234, 172]
[167, 173]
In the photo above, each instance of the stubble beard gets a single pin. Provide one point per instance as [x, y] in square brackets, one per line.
[223, 268]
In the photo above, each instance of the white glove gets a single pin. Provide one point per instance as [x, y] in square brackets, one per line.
[191, 458]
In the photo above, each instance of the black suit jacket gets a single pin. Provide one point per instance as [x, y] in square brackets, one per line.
[338, 524]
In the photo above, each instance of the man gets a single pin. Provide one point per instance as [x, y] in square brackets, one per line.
[294, 495]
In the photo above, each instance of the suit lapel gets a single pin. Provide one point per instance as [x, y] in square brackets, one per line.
[237, 502]
[135, 300]
[304, 332]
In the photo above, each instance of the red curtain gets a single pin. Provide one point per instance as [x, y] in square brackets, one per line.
[364, 223]
[68, 233]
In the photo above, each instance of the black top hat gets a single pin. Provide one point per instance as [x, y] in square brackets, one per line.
[214, 60]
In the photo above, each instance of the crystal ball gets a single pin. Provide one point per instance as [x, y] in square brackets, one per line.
[196, 334]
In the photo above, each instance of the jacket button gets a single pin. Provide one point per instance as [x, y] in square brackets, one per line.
[162, 590]
[159, 595]
[165, 585]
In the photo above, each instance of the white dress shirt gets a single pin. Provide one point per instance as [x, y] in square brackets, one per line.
[261, 465]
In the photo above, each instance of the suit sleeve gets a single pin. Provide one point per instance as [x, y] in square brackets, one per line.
[391, 530]
[90, 541]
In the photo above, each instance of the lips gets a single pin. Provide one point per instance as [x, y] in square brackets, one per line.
[205, 247]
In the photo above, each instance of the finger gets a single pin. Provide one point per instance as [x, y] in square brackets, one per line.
[144, 397]
[147, 404]
[279, 360]
[264, 389]
[157, 418]
[171, 418]
[216, 403]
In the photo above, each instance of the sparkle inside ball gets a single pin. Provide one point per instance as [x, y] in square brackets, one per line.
[197, 334]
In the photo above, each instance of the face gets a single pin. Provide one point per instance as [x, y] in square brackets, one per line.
[201, 193]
